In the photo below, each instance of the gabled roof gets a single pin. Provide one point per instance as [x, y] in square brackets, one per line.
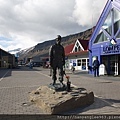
[109, 5]
[6, 53]
[84, 43]
[78, 53]
[68, 49]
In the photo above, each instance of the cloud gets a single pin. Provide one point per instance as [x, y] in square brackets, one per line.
[28, 22]
[87, 12]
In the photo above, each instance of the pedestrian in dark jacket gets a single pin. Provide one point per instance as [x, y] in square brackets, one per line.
[96, 65]
[57, 59]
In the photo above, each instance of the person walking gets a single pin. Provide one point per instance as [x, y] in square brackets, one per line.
[96, 65]
[57, 60]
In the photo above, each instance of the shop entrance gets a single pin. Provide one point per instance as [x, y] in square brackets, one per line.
[119, 65]
[112, 64]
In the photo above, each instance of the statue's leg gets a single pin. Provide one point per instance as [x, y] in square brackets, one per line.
[61, 73]
[54, 78]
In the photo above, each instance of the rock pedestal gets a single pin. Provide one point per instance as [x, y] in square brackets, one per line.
[54, 102]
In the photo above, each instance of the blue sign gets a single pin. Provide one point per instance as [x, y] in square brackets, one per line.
[111, 49]
[74, 64]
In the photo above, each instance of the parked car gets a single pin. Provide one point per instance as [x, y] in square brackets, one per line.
[28, 64]
[37, 64]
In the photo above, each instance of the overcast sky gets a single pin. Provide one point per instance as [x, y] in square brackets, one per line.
[24, 23]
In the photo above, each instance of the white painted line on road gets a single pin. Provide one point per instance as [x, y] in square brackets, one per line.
[43, 74]
[4, 75]
[19, 87]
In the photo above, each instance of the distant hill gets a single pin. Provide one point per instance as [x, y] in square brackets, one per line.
[42, 49]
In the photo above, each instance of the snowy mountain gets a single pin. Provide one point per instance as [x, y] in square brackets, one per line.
[24, 52]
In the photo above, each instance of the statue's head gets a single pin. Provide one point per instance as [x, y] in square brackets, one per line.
[58, 39]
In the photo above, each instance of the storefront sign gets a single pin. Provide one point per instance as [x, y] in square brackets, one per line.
[111, 49]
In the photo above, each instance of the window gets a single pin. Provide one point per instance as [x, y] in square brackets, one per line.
[79, 62]
[118, 36]
[106, 33]
[116, 20]
[87, 62]
[107, 25]
[77, 44]
[101, 38]
[77, 47]
[83, 64]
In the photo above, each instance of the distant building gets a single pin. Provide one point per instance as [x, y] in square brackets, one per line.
[7, 60]
[105, 40]
[77, 55]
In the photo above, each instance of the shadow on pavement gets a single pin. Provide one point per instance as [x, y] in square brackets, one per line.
[8, 72]
[24, 68]
[98, 103]
[5, 73]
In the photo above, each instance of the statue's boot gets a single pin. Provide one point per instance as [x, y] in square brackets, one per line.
[62, 84]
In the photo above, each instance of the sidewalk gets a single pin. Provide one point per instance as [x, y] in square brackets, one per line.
[86, 74]
[17, 83]
[106, 90]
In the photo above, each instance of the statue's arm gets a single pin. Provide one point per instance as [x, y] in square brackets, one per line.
[63, 56]
[50, 55]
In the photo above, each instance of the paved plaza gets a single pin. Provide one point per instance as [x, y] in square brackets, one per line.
[16, 84]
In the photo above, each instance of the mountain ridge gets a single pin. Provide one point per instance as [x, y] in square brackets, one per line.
[42, 49]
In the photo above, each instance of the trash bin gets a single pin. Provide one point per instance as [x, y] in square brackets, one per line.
[102, 70]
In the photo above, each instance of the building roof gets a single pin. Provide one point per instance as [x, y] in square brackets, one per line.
[78, 53]
[108, 7]
[5, 52]
[68, 49]
[84, 43]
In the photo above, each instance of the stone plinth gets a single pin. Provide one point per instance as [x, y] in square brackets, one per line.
[52, 102]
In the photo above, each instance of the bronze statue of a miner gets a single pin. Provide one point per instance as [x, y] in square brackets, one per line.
[57, 60]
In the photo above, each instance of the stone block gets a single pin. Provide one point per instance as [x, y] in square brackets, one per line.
[54, 102]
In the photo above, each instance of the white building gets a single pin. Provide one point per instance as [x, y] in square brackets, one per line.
[77, 55]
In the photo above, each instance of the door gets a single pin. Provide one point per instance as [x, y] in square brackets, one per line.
[119, 65]
[114, 65]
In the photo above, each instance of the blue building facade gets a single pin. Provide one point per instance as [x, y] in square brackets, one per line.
[105, 40]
